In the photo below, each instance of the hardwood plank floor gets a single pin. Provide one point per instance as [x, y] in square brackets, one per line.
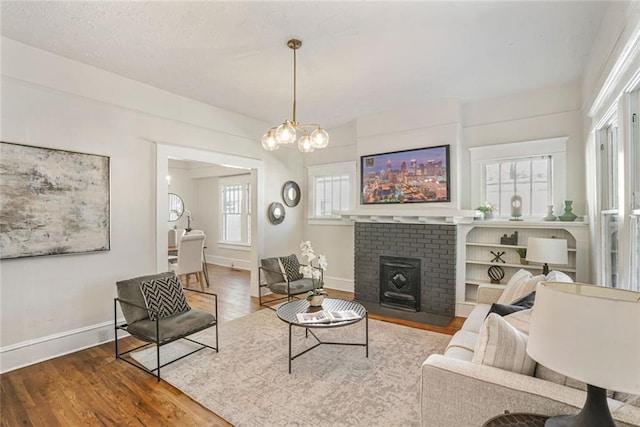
[91, 388]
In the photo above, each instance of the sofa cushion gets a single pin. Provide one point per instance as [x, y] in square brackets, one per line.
[290, 267]
[502, 346]
[129, 290]
[523, 285]
[464, 339]
[459, 353]
[164, 297]
[476, 318]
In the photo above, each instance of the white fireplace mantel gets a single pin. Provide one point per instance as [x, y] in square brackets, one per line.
[431, 215]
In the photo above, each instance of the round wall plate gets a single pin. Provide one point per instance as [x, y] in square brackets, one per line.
[291, 194]
[176, 207]
[276, 213]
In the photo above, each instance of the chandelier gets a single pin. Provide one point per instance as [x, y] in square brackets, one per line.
[286, 132]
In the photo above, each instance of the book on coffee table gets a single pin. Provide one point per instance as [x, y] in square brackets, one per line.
[324, 316]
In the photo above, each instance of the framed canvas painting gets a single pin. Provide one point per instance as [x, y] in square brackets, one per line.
[53, 202]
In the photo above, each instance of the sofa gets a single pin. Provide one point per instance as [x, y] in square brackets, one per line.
[460, 389]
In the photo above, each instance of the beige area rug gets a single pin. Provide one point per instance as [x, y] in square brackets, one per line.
[248, 384]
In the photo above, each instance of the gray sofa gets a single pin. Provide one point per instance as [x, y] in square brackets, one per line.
[457, 392]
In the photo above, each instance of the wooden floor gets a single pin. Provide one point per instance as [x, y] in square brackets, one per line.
[91, 388]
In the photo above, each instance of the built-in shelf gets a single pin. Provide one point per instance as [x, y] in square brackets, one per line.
[477, 241]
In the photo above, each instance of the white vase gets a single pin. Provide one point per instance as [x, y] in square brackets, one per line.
[316, 300]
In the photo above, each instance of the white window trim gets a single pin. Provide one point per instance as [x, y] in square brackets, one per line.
[330, 169]
[554, 147]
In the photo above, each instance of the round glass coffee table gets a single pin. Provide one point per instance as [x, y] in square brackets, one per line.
[288, 312]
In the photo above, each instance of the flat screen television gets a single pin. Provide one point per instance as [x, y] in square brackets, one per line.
[411, 176]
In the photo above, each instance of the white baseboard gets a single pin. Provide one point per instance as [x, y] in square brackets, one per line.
[339, 284]
[29, 352]
[238, 264]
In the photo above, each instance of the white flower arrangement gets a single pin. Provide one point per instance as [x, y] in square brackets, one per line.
[308, 270]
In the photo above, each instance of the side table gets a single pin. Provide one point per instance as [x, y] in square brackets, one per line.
[517, 419]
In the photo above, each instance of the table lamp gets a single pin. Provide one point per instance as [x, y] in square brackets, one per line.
[592, 334]
[547, 251]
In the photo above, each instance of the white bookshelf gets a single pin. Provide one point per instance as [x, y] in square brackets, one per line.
[477, 240]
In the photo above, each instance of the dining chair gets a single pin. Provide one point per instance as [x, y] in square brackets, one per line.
[189, 260]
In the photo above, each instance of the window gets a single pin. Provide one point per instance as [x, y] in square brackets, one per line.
[608, 173]
[331, 189]
[535, 170]
[529, 177]
[235, 222]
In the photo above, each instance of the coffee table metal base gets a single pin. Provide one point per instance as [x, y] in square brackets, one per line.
[320, 342]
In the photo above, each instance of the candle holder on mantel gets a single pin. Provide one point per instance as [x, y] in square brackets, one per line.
[568, 215]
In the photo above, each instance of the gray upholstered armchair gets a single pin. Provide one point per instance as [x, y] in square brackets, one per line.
[156, 312]
[288, 284]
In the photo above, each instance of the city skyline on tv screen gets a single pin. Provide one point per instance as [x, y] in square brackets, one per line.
[411, 176]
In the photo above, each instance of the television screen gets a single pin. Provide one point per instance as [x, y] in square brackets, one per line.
[410, 176]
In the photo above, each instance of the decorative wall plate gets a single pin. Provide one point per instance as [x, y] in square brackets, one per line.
[291, 194]
[276, 213]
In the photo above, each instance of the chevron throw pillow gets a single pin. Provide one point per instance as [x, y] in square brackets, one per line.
[291, 267]
[164, 295]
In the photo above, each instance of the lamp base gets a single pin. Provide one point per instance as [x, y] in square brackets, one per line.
[545, 269]
[595, 412]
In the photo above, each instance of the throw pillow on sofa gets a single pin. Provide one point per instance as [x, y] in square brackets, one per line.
[520, 304]
[521, 320]
[558, 276]
[522, 283]
[503, 346]
[290, 267]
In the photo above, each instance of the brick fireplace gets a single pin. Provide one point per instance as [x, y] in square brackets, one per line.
[434, 245]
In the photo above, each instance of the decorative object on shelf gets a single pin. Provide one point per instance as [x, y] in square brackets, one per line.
[497, 257]
[549, 216]
[496, 273]
[522, 252]
[568, 215]
[315, 296]
[509, 240]
[286, 132]
[487, 209]
[291, 194]
[276, 213]
[547, 251]
[567, 313]
[516, 208]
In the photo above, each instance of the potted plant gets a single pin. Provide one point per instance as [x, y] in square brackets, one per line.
[523, 255]
[487, 210]
[316, 273]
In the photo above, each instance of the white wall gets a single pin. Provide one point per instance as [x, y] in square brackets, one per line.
[54, 305]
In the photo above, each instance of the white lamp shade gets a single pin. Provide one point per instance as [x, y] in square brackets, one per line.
[550, 251]
[589, 333]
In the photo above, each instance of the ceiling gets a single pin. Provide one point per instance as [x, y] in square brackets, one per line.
[357, 57]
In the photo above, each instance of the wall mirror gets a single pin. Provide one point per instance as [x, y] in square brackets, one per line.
[176, 207]
[291, 194]
[276, 213]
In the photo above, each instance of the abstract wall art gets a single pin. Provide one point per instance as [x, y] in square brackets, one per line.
[52, 202]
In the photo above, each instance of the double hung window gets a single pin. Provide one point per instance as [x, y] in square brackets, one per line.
[235, 219]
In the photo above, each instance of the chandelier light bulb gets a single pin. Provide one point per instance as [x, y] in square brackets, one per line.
[319, 138]
[269, 141]
[286, 133]
[304, 144]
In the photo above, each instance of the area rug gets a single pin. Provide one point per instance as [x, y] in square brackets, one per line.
[247, 383]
